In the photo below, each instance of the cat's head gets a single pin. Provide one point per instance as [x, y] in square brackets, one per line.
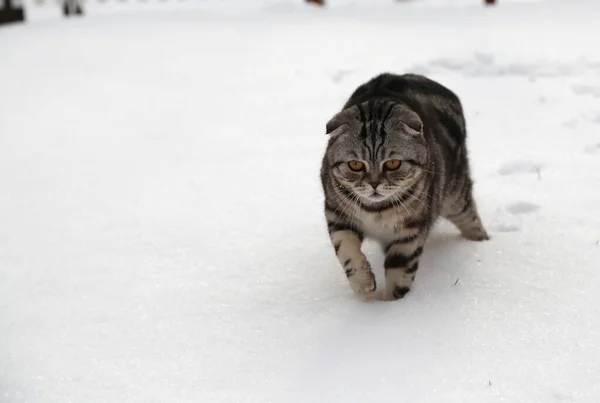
[377, 150]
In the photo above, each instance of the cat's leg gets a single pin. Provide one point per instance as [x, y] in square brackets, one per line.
[463, 214]
[401, 264]
[346, 241]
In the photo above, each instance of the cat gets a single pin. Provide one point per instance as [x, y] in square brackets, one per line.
[396, 161]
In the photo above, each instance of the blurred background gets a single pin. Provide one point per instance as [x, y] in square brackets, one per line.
[32, 10]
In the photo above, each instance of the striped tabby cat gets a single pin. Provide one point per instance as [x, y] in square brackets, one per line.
[396, 160]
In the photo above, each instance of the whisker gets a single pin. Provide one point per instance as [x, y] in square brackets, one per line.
[397, 198]
[419, 200]
[348, 203]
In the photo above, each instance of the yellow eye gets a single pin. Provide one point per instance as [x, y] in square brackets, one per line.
[392, 165]
[356, 165]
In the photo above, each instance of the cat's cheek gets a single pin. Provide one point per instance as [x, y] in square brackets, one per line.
[398, 176]
[349, 177]
[394, 181]
[354, 179]
[344, 182]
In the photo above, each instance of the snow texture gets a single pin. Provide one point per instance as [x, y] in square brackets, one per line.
[161, 229]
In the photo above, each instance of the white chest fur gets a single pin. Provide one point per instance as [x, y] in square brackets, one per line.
[382, 226]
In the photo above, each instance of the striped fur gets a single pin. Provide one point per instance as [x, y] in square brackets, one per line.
[421, 123]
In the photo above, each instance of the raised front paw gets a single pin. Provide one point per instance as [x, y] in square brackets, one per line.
[362, 281]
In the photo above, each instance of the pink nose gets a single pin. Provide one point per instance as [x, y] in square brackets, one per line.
[373, 184]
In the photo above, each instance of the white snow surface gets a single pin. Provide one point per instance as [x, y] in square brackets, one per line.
[161, 229]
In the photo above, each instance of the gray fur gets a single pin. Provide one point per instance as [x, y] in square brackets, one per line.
[419, 122]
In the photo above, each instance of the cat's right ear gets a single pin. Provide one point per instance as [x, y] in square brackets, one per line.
[344, 117]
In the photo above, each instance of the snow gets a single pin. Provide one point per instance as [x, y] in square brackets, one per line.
[162, 236]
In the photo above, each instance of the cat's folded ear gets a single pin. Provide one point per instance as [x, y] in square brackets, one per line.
[403, 115]
[345, 117]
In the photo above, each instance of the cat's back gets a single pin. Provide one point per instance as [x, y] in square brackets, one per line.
[413, 88]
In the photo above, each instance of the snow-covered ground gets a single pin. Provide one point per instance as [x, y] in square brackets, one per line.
[161, 227]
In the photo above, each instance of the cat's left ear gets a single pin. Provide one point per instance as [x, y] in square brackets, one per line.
[404, 116]
[345, 117]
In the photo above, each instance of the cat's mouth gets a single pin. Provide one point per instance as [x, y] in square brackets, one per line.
[376, 196]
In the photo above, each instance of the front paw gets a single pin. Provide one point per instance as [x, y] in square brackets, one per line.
[397, 285]
[362, 282]
[477, 234]
[395, 292]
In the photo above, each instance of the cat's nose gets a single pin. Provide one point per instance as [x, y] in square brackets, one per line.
[373, 184]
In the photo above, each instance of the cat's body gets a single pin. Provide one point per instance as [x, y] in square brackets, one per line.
[395, 162]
